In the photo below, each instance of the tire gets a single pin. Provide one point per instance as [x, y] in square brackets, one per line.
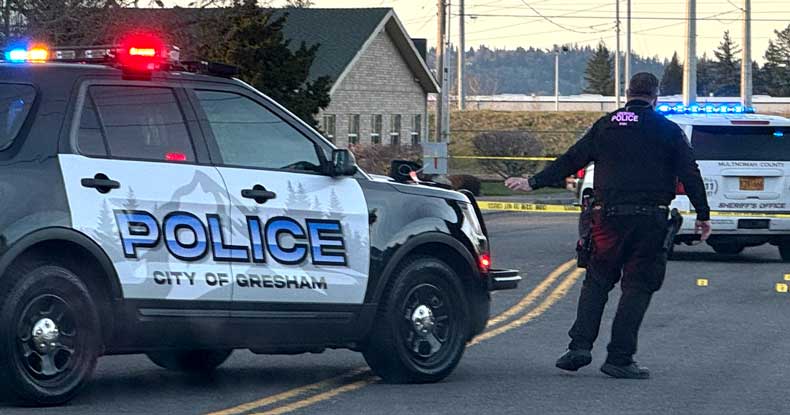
[422, 324]
[728, 249]
[784, 252]
[190, 360]
[50, 334]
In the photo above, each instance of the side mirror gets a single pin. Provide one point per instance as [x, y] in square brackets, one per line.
[343, 163]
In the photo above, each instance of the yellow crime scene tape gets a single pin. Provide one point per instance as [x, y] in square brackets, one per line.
[548, 208]
[503, 158]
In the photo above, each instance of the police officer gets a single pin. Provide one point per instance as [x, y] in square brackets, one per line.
[639, 155]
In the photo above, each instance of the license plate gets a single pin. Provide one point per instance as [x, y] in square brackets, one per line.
[753, 183]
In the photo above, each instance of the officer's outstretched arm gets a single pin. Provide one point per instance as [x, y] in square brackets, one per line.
[688, 172]
[578, 156]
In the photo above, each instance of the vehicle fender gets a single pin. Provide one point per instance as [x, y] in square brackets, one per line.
[410, 246]
[67, 235]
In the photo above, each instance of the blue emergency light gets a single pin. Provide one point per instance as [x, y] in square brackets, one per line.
[779, 134]
[706, 108]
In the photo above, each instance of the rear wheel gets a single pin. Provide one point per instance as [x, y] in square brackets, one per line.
[422, 324]
[49, 334]
[727, 249]
[190, 360]
[784, 252]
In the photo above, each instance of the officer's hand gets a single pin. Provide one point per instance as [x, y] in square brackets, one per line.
[704, 228]
[519, 184]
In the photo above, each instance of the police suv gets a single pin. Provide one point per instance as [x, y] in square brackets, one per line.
[163, 207]
[745, 163]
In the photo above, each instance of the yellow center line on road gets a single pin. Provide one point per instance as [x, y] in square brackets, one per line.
[555, 296]
[290, 394]
[320, 397]
[533, 295]
[338, 386]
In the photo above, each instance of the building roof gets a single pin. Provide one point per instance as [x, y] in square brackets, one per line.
[344, 34]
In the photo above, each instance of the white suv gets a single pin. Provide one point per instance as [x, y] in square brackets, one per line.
[745, 164]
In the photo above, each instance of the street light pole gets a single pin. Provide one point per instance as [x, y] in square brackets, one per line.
[627, 41]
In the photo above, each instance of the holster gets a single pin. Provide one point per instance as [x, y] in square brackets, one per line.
[584, 246]
[673, 227]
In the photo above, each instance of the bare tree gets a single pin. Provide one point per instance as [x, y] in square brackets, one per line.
[507, 144]
[299, 3]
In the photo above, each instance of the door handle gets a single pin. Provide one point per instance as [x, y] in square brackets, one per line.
[101, 183]
[258, 193]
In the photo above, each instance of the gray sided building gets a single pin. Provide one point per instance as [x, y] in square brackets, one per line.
[380, 82]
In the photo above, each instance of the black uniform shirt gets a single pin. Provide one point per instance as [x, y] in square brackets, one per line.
[639, 155]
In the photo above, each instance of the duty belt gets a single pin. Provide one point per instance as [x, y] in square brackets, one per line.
[635, 210]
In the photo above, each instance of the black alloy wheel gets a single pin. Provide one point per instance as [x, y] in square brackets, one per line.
[50, 334]
[422, 325]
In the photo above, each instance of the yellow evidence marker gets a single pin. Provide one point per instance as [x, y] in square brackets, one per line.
[781, 287]
[787, 277]
[702, 282]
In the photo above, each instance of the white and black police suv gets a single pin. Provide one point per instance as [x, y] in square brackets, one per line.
[159, 207]
[744, 159]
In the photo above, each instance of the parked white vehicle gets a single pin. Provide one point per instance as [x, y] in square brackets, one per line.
[745, 164]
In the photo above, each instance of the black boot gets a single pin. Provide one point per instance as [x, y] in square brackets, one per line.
[630, 371]
[573, 360]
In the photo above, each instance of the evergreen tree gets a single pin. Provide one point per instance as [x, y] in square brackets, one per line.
[131, 201]
[672, 80]
[776, 71]
[705, 77]
[727, 68]
[599, 71]
[253, 40]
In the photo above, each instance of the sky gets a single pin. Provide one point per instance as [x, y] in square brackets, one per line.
[656, 24]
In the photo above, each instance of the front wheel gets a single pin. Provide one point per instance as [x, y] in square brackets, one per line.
[422, 325]
[728, 249]
[50, 334]
[190, 360]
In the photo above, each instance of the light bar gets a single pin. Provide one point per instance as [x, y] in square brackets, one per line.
[705, 108]
[23, 54]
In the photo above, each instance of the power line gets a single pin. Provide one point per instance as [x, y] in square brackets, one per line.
[548, 19]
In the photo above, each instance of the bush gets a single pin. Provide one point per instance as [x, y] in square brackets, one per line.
[507, 144]
[376, 158]
[466, 182]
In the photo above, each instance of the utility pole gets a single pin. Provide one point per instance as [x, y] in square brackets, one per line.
[690, 68]
[628, 73]
[461, 56]
[746, 60]
[617, 56]
[440, 67]
[6, 20]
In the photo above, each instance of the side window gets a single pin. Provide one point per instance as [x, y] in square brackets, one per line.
[15, 103]
[131, 122]
[249, 135]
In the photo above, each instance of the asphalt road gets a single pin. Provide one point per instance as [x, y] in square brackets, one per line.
[715, 349]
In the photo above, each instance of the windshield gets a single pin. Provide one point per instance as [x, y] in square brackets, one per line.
[741, 143]
[15, 103]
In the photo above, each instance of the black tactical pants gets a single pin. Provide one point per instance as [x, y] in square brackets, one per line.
[628, 249]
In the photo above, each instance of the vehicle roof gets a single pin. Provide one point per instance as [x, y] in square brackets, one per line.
[81, 69]
[726, 119]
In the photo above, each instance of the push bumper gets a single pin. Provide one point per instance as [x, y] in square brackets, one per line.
[503, 279]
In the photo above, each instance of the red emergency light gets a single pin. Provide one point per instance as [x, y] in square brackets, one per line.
[142, 52]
